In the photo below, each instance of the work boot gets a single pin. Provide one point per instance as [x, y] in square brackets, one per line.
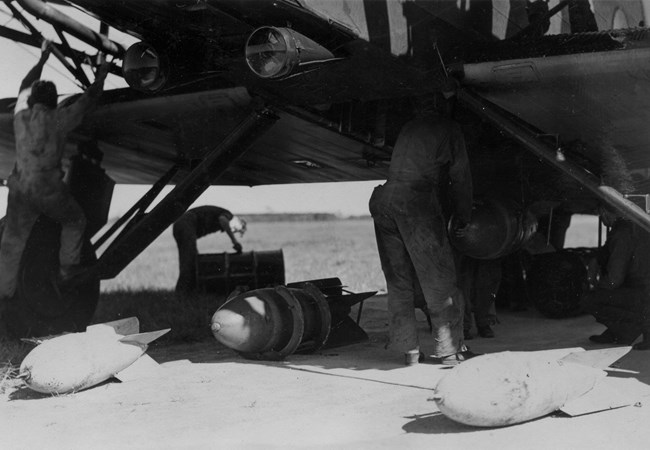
[467, 335]
[606, 337]
[413, 357]
[455, 359]
[485, 331]
[645, 343]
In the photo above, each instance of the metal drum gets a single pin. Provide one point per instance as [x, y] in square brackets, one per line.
[223, 272]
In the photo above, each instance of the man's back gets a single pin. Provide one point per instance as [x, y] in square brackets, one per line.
[420, 151]
[205, 219]
[425, 147]
[40, 131]
[37, 146]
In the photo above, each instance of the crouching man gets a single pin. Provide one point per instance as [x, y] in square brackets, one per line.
[620, 299]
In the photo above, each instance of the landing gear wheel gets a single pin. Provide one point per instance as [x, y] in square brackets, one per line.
[39, 308]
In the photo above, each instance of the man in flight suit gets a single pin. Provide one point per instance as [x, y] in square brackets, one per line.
[36, 183]
[196, 223]
[620, 299]
[411, 233]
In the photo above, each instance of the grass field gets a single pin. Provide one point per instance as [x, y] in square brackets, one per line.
[312, 249]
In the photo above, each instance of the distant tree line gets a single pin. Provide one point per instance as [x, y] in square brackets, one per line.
[297, 217]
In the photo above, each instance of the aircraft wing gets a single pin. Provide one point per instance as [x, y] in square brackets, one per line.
[589, 87]
[142, 137]
[593, 88]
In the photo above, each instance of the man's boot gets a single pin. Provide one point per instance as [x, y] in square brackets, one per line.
[645, 343]
[485, 331]
[606, 337]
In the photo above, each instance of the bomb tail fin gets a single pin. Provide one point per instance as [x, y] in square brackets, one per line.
[143, 338]
[130, 325]
[598, 359]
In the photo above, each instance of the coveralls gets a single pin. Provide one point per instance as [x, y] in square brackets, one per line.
[621, 298]
[36, 183]
[411, 233]
[196, 223]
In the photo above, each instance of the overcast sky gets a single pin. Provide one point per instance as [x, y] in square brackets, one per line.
[339, 198]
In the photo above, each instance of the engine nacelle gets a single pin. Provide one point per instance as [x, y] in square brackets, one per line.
[498, 227]
[144, 69]
[279, 52]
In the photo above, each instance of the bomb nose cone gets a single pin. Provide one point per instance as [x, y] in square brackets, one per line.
[245, 324]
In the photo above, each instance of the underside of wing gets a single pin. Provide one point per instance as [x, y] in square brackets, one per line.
[142, 137]
[376, 61]
[592, 89]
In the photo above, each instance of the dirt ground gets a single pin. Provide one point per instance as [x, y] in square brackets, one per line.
[357, 396]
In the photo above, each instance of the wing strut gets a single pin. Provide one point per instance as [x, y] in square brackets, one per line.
[76, 71]
[35, 41]
[57, 19]
[541, 149]
[137, 211]
[60, 23]
[142, 233]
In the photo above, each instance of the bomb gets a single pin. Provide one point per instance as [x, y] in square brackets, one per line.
[272, 323]
[506, 388]
[76, 361]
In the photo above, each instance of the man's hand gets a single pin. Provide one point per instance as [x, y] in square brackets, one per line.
[35, 72]
[45, 50]
[460, 229]
[96, 88]
[102, 71]
[237, 246]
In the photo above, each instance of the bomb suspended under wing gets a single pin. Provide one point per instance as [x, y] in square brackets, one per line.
[76, 361]
[506, 388]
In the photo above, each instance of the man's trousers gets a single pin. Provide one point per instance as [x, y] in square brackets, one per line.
[185, 236]
[24, 205]
[623, 310]
[413, 252]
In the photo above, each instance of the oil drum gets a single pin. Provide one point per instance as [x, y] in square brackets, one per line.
[223, 272]
[557, 281]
